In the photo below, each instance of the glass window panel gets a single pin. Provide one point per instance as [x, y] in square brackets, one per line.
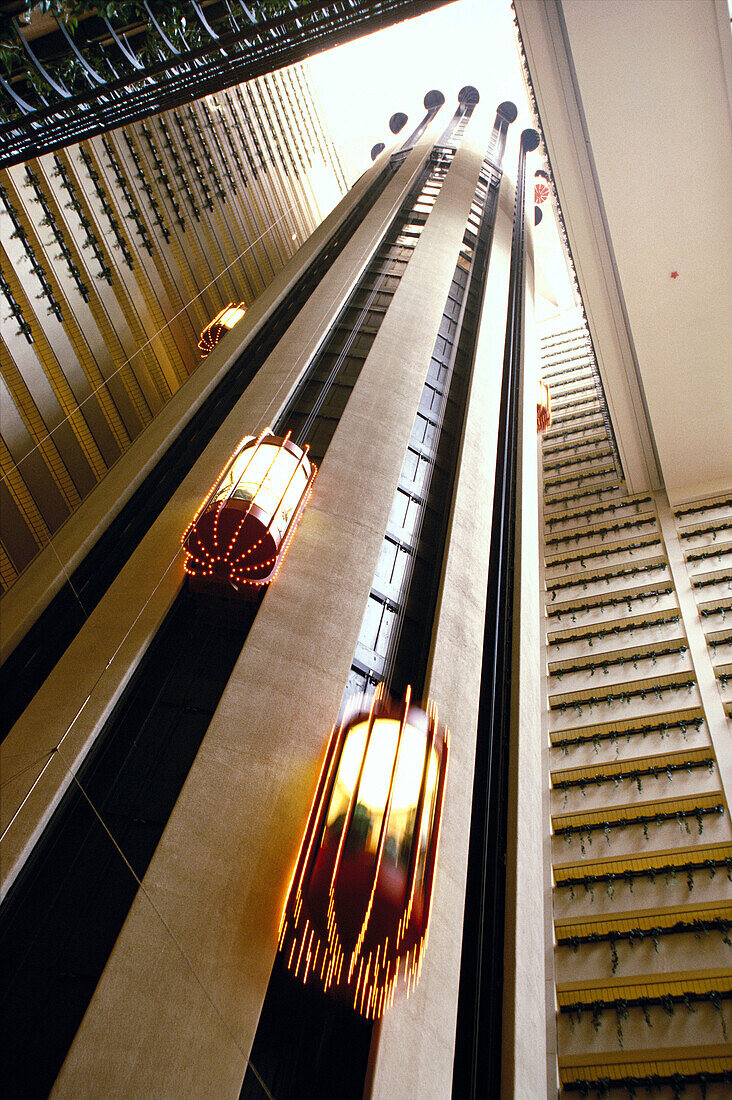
[411, 519]
[431, 401]
[452, 308]
[442, 349]
[409, 469]
[399, 509]
[387, 559]
[437, 372]
[395, 562]
[386, 626]
[371, 624]
[401, 564]
[430, 432]
[357, 682]
[421, 429]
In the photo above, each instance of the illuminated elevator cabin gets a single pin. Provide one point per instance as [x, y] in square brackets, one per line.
[357, 912]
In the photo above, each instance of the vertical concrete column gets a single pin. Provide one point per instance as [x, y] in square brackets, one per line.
[414, 1057]
[177, 1007]
[524, 1061]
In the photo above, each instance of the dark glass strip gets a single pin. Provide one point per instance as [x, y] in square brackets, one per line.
[477, 1066]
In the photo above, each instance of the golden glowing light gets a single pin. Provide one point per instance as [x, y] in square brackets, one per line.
[379, 758]
[231, 315]
[543, 408]
[361, 889]
[224, 320]
[241, 532]
[269, 476]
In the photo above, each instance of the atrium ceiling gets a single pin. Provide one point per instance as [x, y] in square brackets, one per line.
[634, 99]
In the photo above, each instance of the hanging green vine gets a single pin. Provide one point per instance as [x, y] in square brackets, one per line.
[194, 162]
[635, 774]
[577, 479]
[630, 936]
[707, 506]
[229, 136]
[596, 738]
[677, 1082]
[134, 214]
[585, 830]
[211, 125]
[178, 168]
[606, 529]
[593, 400]
[90, 241]
[589, 635]
[163, 176]
[106, 207]
[703, 555]
[708, 582]
[710, 529]
[600, 510]
[594, 455]
[551, 435]
[597, 578]
[605, 552]
[666, 1001]
[207, 157]
[595, 491]
[145, 185]
[605, 664]
[621, 697]
[24, 328]
[610, 601]
[52, 223]
[20, 234]
[668, 871]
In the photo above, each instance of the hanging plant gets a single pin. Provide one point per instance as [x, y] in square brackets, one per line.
[612, 735]
[634, 774]
[716, 998]
[606, 529]
[621, 1014]
[614, 960]
[669, 872]
[634, 658]
[651, 1083]
[705, 507]
[624, 696]
[679, 816]
[597, 1008]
